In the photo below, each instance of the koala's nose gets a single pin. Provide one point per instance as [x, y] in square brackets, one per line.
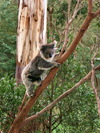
[50, 55]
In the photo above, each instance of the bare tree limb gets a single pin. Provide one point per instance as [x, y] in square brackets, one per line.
[66, 38]
[92, 80]
[57, 119]
[57, 125]
[97, 13]
[67, 27]
[90, 6]
[75, 11]
[23, 103]
[69, 5]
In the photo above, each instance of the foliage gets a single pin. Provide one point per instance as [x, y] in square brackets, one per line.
[8, 24]
[10, 100]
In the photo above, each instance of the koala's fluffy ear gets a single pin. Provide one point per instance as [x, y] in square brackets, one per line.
[50, 45]
[39, 47]
[55, 42]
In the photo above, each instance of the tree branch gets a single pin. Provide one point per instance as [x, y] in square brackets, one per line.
[23, 103]
[90, 6]
[67, 27]
[92, 81]
[57, 125]
[97, 13]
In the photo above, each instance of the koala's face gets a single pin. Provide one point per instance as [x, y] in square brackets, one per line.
[47, 51]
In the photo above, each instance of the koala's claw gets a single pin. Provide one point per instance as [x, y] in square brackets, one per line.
[40, 84]
[32, 94]
[58, 65]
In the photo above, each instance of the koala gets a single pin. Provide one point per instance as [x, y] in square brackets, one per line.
[44, 61]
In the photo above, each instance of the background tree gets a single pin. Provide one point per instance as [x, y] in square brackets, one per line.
[8, 24]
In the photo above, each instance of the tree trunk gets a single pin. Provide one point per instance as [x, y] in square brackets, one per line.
[31, 32]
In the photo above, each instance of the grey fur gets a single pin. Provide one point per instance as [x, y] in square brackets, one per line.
[44, 61]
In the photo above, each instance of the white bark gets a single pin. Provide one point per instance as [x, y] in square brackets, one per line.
[32, 21]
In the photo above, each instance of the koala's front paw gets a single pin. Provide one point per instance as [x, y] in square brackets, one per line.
[58, 65]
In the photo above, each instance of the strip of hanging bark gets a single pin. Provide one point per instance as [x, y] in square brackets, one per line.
[21, 117]
[65, 94]
[92, 81]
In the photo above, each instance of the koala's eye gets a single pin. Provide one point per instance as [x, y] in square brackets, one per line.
[50, 55]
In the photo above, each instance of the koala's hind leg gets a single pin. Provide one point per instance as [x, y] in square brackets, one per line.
[38, 81]
[29, 87]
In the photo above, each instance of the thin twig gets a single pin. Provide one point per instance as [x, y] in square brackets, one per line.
[23, 103]
[62, 10]
[67, 27]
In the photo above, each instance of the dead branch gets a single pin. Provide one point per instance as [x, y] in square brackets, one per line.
[92, 80]
[69, 5]
[67, 27]
[75, 11]
[57, 119]
[57, 125]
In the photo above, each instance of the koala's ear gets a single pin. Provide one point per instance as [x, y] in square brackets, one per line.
[38, 48]
[41, 47]
[52, 45]
[55, 42]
